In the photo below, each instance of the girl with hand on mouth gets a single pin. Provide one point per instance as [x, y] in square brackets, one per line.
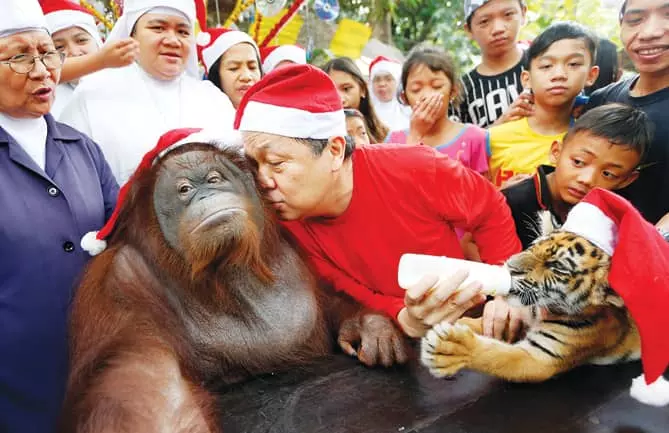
[232, 61]
[126, 110]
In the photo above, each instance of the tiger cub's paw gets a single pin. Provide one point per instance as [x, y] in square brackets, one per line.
[446, 348]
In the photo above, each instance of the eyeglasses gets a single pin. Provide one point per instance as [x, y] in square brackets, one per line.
[24, 63]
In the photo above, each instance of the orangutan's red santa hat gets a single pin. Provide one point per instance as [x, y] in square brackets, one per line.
[298, 101]
[95, 242]
[639, 274]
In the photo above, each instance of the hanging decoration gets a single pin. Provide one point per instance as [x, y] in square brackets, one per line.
[116, 8]
[97, 14]
[282, 22]
[240, 7]
[256, 28]
[269, 8]
[326, 10]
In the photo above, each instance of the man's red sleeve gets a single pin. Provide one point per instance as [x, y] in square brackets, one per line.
[340, 281]
[473, 203]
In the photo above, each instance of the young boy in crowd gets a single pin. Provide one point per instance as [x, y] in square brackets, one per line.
[644, 32]
[603, 149]
[560, 64]
[492, 87]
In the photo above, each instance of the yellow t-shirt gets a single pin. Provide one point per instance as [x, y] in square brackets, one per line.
[514, 148]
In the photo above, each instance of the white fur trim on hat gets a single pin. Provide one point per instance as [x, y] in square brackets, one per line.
[285, 52]
[21, 16]
[64, 19]
[386, 67]
[223, 43]
[91, 244]
[655, 394]
[229, 139]
[292, 122]
[590, 222]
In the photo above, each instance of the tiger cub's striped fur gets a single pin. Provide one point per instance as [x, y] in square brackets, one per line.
[578, 318]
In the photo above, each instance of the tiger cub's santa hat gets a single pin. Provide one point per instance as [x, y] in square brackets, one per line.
[95, 242]
[639, 274]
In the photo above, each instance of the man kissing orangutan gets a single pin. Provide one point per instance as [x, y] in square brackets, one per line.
[198, 288]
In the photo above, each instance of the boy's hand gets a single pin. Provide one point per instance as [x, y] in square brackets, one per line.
[119, 53]
[424, 116]
[516, 178]
[522, 107]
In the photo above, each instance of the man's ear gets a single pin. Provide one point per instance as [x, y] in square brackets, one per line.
[523, 14]
[337, 148]
[592, 76]
[526, 79]
[556, 149]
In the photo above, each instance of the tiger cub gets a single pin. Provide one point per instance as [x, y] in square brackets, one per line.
[577, 318]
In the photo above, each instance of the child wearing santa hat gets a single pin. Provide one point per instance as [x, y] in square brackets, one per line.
[75, 32]
[280, 55]
[231, 59]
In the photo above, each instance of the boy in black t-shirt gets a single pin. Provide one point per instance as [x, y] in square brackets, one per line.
[644, 31]
[602, 149]
[492, 87]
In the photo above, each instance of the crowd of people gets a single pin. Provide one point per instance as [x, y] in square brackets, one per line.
[360, 169]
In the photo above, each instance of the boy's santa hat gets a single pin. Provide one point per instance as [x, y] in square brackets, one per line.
[639, 274]
[384, 65]
[213, 43]
[272, 56]
[95, 242]
[63, 14]
[300, 101]
[21, 16]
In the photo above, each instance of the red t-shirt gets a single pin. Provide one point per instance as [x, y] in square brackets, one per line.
[406, 199]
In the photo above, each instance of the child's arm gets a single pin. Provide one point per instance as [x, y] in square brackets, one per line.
[113, 55]
[522, 107]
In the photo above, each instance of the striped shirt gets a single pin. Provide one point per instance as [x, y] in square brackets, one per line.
[486, 98]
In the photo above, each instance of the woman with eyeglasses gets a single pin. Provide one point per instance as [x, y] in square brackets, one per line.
[56, 186]
[126, 110]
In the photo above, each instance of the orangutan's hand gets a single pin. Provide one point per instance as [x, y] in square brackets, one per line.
[374, 339]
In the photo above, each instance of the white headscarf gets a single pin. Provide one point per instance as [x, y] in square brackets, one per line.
[393, 114]
[66, 18]
[21, 16]
[133, 11]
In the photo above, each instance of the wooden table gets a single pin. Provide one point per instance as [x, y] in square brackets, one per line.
[338, 395]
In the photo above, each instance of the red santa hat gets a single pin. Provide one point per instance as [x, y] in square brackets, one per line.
[639, 274]
[95, 242]
[272, 56]
[384, 65]
[63, 14]
[300, 101]
[213, 43]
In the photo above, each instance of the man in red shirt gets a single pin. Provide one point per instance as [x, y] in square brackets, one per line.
[355, 212]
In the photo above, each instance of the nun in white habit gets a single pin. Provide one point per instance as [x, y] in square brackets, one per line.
[126, 110]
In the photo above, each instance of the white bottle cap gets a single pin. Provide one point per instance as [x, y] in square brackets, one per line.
[496, 280]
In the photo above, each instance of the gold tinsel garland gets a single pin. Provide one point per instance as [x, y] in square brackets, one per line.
[256, 28]
[240, 7]
[100, 17]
